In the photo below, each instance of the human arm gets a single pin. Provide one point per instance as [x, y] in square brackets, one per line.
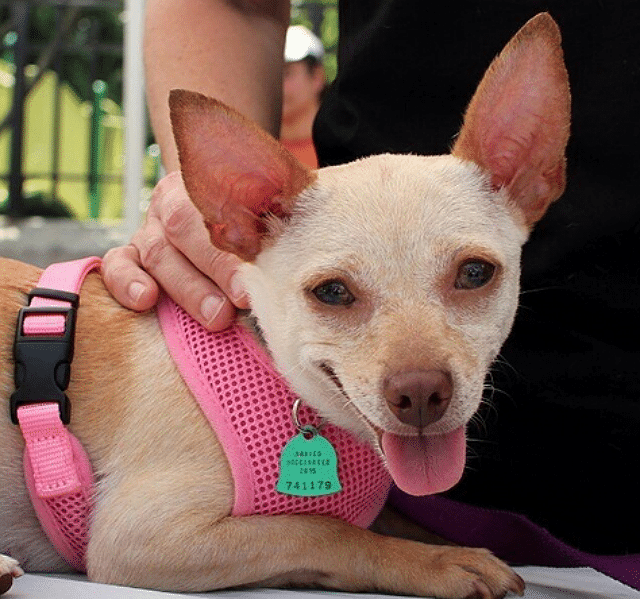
[230, 50]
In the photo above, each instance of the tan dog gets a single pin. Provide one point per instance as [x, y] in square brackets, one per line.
[384, 290]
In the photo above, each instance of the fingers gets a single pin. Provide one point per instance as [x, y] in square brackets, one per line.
[172, 250]
[127, 281]
[182, 225]
[183, 281]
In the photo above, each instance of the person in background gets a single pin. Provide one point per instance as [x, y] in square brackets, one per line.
[302, 87]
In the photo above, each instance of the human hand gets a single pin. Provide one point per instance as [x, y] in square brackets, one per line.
[172, 249]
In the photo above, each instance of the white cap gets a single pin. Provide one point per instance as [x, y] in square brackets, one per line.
[301, 43]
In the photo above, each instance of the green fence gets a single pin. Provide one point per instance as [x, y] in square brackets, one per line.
[61, 122]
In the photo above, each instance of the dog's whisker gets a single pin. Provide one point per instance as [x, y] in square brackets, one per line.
[479, 423]
[538, 290]
[294, 369]
[502, 361]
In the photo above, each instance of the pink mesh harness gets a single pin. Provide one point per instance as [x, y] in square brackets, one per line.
[246, 402]
[249, 406]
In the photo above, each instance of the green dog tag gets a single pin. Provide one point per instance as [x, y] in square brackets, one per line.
[308, 466]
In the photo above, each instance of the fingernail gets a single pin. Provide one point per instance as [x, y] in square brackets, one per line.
[210, 307]
[236, 287]
[136, 289]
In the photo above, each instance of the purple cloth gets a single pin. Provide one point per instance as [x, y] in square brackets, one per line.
[512, 537]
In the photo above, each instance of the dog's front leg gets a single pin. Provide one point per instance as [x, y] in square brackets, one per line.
[392, 523]
[329, 553]
[188, 550]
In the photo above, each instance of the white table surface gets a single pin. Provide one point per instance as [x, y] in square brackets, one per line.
[542, 583]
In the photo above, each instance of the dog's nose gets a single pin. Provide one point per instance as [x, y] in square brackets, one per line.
[419, 397]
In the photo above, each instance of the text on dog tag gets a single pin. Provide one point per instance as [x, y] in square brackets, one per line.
[308, 466]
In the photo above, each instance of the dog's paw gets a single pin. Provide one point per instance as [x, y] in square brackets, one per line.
[444, 572]
[465, 573]
[9, 569]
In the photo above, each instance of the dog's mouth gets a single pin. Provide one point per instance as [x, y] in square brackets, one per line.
[333, 377]
[419, 464]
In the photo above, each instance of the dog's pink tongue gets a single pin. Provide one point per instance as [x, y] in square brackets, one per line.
[427, 464]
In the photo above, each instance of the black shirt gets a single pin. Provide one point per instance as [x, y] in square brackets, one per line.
[561, 442]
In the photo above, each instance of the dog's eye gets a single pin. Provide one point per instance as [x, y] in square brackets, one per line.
[473, 274]
[334, 293]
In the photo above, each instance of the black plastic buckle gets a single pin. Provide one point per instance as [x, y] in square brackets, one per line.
[43, 362]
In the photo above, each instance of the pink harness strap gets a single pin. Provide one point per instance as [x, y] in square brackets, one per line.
[57, 470]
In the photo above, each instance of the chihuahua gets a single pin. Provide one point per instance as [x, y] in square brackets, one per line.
[382, 291]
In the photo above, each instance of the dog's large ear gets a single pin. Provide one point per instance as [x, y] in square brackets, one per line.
[517, 124]
[234, 172]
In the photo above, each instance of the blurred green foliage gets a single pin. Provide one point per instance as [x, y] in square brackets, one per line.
[91, 39]
[85, 40]
[321, 17]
